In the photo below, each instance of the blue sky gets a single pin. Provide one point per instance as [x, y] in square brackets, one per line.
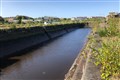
[59, 8]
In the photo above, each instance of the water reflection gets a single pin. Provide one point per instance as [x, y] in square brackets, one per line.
[49, 62]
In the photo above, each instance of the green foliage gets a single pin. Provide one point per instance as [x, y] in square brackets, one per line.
[112, 29]
[1, 20]
[109, 31]
[108, 56]
[102, 32]
[19, 18]
[12, 26]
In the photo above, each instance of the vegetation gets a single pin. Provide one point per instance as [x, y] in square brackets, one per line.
[113, 28]
[20, 24]
[15, 33]
[107, 54]
[1, 20]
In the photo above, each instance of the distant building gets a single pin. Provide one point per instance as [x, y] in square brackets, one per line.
[98, 17]
[78, 18]
[73, 18]
[119, 14]
[51, 19]
[81, 18]
[10, 19]
[112, 15]
[38, 19]
[15, 21]
[46, 23]
[27, 20]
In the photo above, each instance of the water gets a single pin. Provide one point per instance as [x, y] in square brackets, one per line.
[49, 62]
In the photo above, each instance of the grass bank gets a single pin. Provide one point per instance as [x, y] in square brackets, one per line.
[106, 49]
[100, 58]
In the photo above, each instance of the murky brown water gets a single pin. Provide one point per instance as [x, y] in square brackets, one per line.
[49, 62]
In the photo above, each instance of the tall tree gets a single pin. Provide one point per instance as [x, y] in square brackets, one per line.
[19, 18]
[1, 20]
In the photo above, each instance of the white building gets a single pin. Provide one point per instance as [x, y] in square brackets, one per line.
[45, 23]
[73, 18]
[78, 18]
[37, 20]
[27, 20]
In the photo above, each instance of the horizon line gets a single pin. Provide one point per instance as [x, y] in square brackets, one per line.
[55, 16]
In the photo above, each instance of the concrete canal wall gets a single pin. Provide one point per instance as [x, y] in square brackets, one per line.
[83, 67]
[13, 41]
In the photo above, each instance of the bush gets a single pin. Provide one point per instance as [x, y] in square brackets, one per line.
[108, 55]
[109, 58]
[12, 26]
[113, 29]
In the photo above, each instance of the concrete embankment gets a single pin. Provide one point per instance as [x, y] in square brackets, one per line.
[13, 41]
[83, 67]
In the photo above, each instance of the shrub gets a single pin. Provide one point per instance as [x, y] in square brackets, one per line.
[108, 55]
[109, 58]
[113, 29]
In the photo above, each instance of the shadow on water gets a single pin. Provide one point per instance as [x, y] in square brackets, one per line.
[50, 60]
[6, 62]
[9, 60]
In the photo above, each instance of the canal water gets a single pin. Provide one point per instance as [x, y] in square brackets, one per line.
[49, 62]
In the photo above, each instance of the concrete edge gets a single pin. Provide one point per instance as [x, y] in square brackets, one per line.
[78, 66]
[83, 67]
